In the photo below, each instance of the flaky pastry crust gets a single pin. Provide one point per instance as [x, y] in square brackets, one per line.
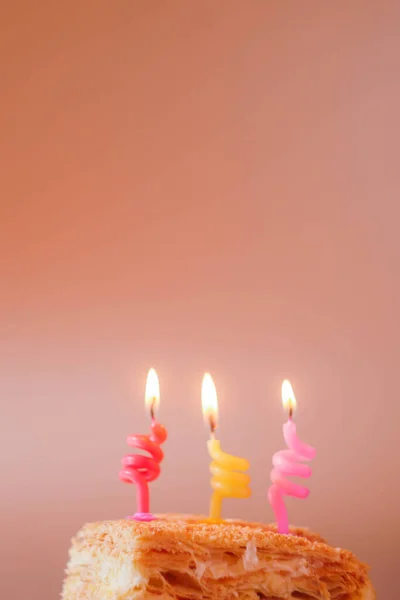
[181, 557]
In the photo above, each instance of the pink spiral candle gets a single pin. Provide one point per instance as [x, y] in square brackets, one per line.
[140, 469]
[286, 463]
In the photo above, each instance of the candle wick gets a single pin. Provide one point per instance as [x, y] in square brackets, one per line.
[290, 412]
[213, 426]
[152, 410]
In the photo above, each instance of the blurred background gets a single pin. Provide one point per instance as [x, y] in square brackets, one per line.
[197, 186]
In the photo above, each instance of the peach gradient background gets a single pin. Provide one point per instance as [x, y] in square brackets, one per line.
[197, 186]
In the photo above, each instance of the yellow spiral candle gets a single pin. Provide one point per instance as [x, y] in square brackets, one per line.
[229, 479]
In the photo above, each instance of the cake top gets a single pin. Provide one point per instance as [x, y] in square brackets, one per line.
[230, 533]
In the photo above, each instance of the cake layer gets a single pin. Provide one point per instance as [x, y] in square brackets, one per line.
[187, 558]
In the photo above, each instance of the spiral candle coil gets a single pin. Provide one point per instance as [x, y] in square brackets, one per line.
[285, 464]
[228, 477]
[140, 469]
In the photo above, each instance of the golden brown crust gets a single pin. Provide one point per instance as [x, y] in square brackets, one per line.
[178, 557]
[269, 527]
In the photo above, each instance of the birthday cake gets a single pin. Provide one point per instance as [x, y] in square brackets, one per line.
[187, 558]
[179, 557]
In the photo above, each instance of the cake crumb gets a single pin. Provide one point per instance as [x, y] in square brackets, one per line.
[200, 568]
[250, 557]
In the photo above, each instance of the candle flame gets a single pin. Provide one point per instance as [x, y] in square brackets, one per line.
[209, 401]
[152, 394]
[288, 397]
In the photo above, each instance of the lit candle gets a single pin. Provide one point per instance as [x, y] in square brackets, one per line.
[286, 463]
[140, 469]
[228, 477]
